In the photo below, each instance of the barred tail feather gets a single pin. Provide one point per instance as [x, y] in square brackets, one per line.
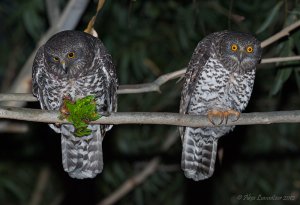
[198, 154]
[82, 156]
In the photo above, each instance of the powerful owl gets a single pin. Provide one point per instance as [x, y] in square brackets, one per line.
[74, 64]
[218, 83]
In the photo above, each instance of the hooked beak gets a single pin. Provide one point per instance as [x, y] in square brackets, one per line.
[241, 56]
[63, 64]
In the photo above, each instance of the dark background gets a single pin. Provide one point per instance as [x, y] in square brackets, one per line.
[147, 39]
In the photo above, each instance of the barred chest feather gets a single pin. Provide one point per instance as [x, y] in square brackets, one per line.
[56, 89]
[218, 88]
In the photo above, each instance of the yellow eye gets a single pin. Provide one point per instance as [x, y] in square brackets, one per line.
[249, 49]
[56, 59]
[234, 47]
[71, 55]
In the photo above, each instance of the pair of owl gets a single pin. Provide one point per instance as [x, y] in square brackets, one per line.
[218, 83]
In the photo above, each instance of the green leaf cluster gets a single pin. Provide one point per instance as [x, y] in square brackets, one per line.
[80, 113]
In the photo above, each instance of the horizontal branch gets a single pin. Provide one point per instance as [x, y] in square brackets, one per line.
[280, 59]
[153, 86]
[159, 118]
[284, 32]
[26, 97]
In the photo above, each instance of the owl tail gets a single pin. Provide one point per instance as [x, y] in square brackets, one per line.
[81, 156]
[198, 154]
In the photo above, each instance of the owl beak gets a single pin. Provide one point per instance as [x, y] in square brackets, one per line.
[241, 56]
[63, 64]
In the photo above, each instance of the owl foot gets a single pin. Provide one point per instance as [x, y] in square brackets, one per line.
[216, 117]
[231, 112]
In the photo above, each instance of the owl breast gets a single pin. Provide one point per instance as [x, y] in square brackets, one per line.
[220, 88]
[56, 89]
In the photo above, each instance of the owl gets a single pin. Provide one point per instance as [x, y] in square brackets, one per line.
[74, 64]
[218, 83]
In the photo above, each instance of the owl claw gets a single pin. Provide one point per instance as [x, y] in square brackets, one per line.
[230, 113]
[222, 115]
[215, 114]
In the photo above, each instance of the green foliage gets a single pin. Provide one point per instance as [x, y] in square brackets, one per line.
[80, 113]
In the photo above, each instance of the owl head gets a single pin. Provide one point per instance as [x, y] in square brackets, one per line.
[239, 52]
[69, 53]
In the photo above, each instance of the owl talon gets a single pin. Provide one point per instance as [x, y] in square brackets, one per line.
[222, 115]
[226, 119]
[232, 113]
[215, 114]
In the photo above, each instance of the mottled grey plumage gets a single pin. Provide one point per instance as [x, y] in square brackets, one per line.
[75, 64]
[219, 78]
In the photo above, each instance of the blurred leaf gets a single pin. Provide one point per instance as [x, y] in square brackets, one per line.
[281, 77]
[13, 188]
[283, 74]
[33, 23]
[271, 18]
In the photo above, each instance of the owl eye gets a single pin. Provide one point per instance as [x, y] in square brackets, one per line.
[234, 47]
[71, 55]
[56, 59]
[249, 49]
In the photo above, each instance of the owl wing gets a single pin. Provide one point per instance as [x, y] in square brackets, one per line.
[113, 82]
[108, 72]
[38, 83]
[198, 60]
[38, 63]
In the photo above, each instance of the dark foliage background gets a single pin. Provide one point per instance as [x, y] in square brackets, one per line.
[147, 39]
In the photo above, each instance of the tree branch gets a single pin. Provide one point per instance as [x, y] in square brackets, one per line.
[150, 87]
[280, 59]
[26, 97]
[284, 32]
[158, 118]
[14, 127]
[53, 11]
